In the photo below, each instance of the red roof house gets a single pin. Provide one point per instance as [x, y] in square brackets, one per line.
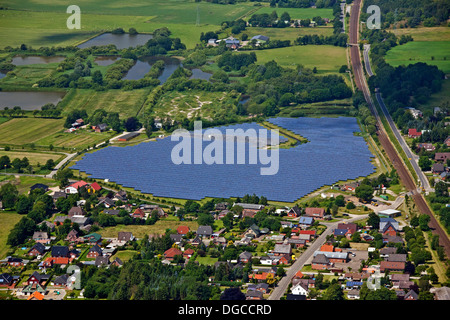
[95, 187]
[182, 229]
[413, 133]
[317, 213]
[172, 252]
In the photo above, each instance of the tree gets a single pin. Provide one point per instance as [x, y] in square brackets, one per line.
[424, 219]
[364, 192]
[334, 292]
[8, 195]
[63, 177]
[132, 124]
[232, 294]
[425, 163]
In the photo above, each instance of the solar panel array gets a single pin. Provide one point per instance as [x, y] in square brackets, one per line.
[332, 154]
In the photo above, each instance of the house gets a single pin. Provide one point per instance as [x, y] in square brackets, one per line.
[442, 156]
[176, 238]
[316, 213]
[100, 127]
[204, 231]
[117, 262]
[41, 237]
[245, 257]
[112, 212]
[37, 278]
[297, 243]
[282, 249]
[93, 238]
[138, 214]
[415, 112]
[388, 226]
[396, 257]
[250, 213]
[73, 188]
[260, 39]
[61, 281]
[389, 213]
[294, 212]
[231, 42]
[76, 211]
[447, 141]
[107, 202]
[187, 254]
[334, 257]
[349, 285]
[58, 194]
[72, 236]
[101, 261]
[94, 252]
[392, 266]
[320, 262]
[6, 280]
[37, 250]
[60, 251]
[128, 136]
[353, 294]
[125, 236]
[94, 187]
[305, 222]
[438, 168]
[252, 232]
[351, 227]
[300, 289]
[171, 253]
[250, 206]
[50, 261]
[413, 133]
[411, 295]
[426, 146]
[254, 295]
[182, 230]
[212, 42]
[350, 186]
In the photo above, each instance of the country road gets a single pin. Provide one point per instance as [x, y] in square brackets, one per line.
[283, 284]
[391, 152]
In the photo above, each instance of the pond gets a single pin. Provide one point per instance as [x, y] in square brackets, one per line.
[199, 74]
[332, 154]
[121, 41]
[29, 100]
[106, 60]
[26, 60]
[144, 64]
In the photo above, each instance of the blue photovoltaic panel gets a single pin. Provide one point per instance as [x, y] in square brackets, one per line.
[332, 154]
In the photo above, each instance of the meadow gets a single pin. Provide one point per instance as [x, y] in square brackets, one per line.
[33, 157]
[431, 52]
[7, 222]
[288, 33]
[299, 13]
[331, 57]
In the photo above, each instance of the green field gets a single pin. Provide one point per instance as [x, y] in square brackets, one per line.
[126, 103]
[300, 13]
[33, 157]
[28, 75]
[331, 57]
[7, 222]
[21, 131]
[43, 23]
[425, 34]
[288, 33]
[431, 52]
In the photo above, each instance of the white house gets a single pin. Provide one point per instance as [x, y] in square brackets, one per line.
[299, 289]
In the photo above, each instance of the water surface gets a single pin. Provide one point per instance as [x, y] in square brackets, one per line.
[28, 100]
[26, 60]
[121, 41]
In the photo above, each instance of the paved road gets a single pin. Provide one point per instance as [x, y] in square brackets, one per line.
[283, 284]
[391, 152]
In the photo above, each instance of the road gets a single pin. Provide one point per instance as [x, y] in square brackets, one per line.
[283, 284]
[403, 172]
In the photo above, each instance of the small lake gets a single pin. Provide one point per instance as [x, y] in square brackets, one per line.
[29, 100]
[121, 41]
[333, 153]
[199, 74]
[26, 60]
[105, 61]
[144, 64]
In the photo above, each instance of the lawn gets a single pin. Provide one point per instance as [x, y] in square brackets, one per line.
[299, 13]
[126, 103]
[431, 52]
[425, 34]
[287, 33]
[80, 139]
[139, 231]
[331, 57]
[7, 222]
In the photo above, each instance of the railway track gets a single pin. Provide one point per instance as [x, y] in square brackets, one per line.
[403, 172]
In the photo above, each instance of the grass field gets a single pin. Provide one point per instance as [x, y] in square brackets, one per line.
[431, 52]
[43, 23]
[33, 157]
[21, 131]
[126, 103]
[7, 222]
[139, 231]
[27, 76]
[287, 33]
[331, 57]
[425, 34]
[299, 13]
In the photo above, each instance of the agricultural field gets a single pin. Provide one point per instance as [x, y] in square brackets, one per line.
[33, 157]
[300, 13]
[126, 103]
[332, 58]
[7, 221]
[288, 33]
[431, 52]
[424, 33]
[20, 131]
[44, 22]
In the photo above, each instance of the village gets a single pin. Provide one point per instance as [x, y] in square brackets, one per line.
[300, 252]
